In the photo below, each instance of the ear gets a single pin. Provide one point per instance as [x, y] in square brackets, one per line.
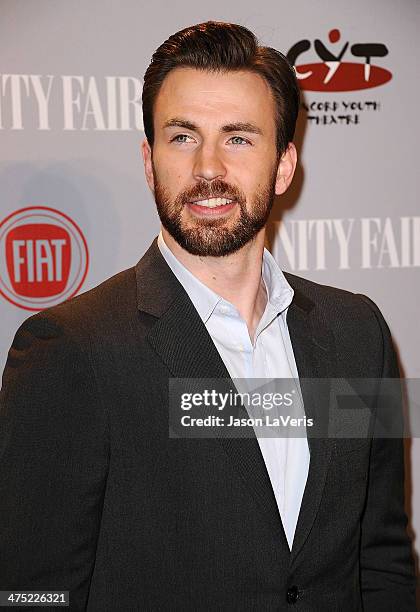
[147, 160]
[286, 169]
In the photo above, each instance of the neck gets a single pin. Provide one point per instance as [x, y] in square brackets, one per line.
[236, 277]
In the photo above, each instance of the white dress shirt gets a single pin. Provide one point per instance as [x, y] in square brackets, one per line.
[269, 356]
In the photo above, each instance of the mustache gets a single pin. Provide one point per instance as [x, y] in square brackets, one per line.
[215, 189]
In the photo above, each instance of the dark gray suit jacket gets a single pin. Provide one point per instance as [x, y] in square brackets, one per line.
[96, 499]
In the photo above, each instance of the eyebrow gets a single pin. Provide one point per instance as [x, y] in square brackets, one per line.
[239, 126]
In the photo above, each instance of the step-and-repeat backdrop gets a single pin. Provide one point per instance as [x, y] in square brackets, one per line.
[74, 204]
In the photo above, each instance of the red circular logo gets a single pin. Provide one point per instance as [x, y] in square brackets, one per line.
[44, 258]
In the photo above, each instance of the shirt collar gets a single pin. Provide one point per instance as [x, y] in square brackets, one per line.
[204, 299]
[279, 292]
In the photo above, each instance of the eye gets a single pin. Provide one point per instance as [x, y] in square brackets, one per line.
[244, 141]
[178, 137]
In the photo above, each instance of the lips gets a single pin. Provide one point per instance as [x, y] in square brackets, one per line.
[211, 206]
[212, 202]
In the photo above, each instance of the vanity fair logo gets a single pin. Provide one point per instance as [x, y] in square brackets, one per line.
[365, 243]
[43, 258]
[70, 103]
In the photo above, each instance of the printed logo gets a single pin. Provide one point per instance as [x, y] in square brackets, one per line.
[106, 104]
[365, 243]
[333, 74]
[43, 258]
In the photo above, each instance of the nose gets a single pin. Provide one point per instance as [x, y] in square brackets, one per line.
[208, 164]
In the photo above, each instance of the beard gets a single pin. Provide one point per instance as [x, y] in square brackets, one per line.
[214, 237]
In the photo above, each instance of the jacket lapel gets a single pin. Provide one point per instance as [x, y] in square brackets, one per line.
[183, 343]
[314, 351]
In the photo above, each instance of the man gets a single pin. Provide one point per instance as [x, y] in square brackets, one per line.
[95, 496]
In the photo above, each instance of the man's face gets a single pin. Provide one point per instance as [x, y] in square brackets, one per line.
[214, 167]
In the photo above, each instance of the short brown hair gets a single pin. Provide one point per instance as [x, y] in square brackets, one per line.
[219, 46]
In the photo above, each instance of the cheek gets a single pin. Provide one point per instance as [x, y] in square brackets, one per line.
[255, 188]
[171, 173]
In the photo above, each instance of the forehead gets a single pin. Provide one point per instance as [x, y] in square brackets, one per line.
[215, 97]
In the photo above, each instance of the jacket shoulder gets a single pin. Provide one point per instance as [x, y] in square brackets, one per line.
[333, 299]
[100, 307]
[354, 319]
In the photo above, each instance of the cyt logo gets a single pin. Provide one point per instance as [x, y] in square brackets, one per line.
[333, 74]
[44, 258]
